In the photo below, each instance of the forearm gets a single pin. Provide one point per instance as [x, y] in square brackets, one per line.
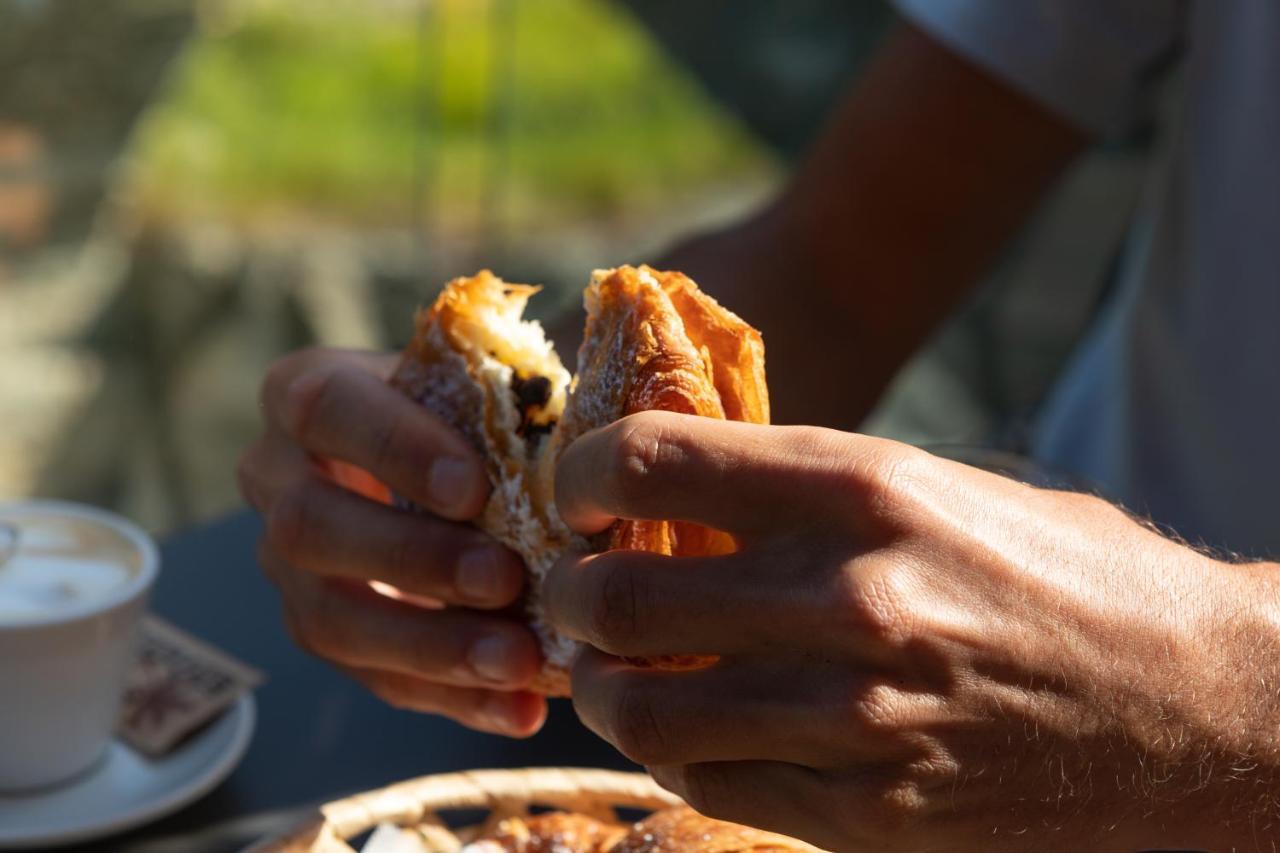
[1246, 793]
[924, 172]
[1220, 789]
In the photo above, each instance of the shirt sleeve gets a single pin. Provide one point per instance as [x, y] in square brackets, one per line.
[1092, 61]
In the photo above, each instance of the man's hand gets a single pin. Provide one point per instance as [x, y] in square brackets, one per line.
[324, 543]
[914, 654]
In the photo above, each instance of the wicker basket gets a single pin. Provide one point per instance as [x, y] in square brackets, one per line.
[418, 804]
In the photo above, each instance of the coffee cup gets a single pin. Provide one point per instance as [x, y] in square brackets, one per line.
[74, 582]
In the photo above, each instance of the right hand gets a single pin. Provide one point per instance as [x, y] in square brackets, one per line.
[324, 543]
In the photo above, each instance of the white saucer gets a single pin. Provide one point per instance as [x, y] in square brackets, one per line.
[124, 789]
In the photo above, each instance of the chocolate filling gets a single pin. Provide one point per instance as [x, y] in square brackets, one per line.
[531, 393]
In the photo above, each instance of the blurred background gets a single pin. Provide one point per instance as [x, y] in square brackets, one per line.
[189, 188]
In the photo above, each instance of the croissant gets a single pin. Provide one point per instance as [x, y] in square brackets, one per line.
[679, 828]
[652, 340]
[684, 829]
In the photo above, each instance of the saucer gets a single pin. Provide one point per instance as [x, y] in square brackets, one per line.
[124, 789]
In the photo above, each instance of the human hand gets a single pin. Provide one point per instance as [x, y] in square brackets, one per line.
[914, 654]
[324, 544]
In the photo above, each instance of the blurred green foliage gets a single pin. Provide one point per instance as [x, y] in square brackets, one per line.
[338, 110]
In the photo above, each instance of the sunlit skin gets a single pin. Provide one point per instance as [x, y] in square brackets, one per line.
[915, 655]
[324, 543]
[820, 238]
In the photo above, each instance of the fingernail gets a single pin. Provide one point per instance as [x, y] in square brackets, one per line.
[482, 575]
[449, 482]
[492, 658]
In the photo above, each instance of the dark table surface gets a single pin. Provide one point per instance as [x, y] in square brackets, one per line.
[319, 735]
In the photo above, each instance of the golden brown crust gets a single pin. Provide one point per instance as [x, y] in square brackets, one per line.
[636, 357]
[555, 832]
[467, 347]
[552, 680]
[652, 341]
[685, 829]
[736, 349]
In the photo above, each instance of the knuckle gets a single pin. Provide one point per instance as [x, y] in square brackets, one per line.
[637, 728]
[281, 372]
[889, 479]
[874, 604]
[875, 711]
[614, 610]
[636, 452]
[893, 808]
[310, 399]
[302, 400]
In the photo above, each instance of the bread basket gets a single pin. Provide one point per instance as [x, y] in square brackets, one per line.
[423, 805]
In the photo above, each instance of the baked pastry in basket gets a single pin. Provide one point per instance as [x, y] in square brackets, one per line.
[585, 816]
[553, 832]
[653, 340]
[679, 828]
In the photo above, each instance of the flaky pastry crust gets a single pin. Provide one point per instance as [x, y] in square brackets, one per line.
[653, 341]
[685, 829]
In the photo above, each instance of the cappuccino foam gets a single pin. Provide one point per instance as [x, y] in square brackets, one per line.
[59, 562]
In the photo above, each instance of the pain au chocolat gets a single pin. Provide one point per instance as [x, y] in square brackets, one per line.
[652, 340]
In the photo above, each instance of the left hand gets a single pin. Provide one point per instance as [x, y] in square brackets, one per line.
[914, 654]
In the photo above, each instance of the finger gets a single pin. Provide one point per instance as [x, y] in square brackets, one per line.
[745, 479]
[786, 709]
[323, 528]
[288, 368]
[352, 625]
[637, 604]
[515, 714]
[269, 467]
[347, 413]
[771, 795]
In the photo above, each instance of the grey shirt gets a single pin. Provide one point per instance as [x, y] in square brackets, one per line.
[1172, 402]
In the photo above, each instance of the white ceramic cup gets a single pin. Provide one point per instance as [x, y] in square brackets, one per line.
[63, 666]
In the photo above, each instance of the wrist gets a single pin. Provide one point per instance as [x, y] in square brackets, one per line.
[1240, 680]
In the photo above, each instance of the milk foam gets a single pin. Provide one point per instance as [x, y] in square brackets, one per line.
[60, 563]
